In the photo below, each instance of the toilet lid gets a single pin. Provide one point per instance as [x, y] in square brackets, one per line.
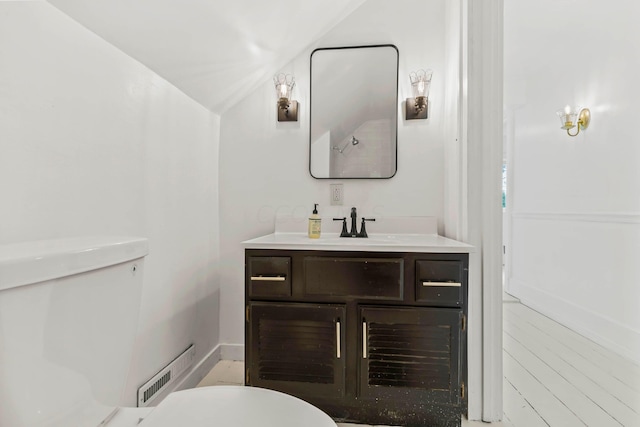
[236, 406]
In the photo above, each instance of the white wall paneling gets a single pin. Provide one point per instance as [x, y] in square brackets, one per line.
[576, 268]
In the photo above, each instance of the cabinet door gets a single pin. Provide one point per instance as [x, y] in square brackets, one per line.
[298, 348]
[411, 354]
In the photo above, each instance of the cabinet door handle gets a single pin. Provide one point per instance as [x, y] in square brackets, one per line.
[364, 340]
[269, 278]
[338, 334]
[451, 284]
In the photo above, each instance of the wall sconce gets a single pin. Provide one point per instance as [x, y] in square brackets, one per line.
[287, 108]
[417, 107]
[574, 117]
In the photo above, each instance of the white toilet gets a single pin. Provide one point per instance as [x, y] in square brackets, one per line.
[68, 320]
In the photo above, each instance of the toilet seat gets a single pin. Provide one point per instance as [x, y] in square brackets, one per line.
[236, 406]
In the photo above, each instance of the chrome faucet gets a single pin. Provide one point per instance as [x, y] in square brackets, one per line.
[354, 225]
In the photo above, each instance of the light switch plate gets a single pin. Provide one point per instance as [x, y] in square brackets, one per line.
[337, 194]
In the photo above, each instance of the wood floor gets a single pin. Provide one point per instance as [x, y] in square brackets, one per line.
[555, 377]
[552, 377]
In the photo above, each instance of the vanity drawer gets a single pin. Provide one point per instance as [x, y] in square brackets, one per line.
[269, 276]
[440, 282]
[370, 278]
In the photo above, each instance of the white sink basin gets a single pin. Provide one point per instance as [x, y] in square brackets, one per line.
[373, 239]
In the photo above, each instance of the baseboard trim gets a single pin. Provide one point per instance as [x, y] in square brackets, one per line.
[200, 370]
[578, 319]
[192, 377]
[232, 352]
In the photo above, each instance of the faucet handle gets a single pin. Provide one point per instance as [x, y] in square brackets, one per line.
[344, 232]
[363, 230]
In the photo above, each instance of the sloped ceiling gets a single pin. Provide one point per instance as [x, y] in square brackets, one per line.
[214, 51]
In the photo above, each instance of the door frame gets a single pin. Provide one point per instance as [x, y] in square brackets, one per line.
[484, 108]
[473, 185]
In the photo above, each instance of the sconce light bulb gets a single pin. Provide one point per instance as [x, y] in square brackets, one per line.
[287, 108]
[568, 117]
[284, 86]
[576, 117]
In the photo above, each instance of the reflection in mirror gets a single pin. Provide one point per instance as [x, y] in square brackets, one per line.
[354, 98]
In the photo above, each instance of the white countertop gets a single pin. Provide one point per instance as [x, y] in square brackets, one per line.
[386, 234]
[374, 243]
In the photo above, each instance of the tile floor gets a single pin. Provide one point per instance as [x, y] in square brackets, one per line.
[553, 377]
[226, 372]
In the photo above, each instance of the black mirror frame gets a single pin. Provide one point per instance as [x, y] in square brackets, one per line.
[396, 105]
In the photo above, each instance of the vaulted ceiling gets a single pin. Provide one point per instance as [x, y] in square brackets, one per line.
[214, 51]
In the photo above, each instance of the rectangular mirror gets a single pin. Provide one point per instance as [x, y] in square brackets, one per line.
[354, 112]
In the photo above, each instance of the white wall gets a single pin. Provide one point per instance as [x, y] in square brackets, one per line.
[265, 164]
[92, 142]
[575, 202]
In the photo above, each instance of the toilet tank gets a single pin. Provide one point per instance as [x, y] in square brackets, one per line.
[68, 320]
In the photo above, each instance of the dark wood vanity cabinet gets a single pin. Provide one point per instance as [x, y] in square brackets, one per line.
[368, 337]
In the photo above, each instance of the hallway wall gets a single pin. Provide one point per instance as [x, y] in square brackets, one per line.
[574, 203]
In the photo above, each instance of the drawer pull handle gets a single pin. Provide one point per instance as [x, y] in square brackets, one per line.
[338, 339]
[449, 284]
[364, 340]
[269, 278]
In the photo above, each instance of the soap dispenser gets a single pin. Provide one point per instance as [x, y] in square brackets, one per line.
[314, 223]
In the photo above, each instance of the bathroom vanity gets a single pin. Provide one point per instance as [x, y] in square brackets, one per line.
[368, 330]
